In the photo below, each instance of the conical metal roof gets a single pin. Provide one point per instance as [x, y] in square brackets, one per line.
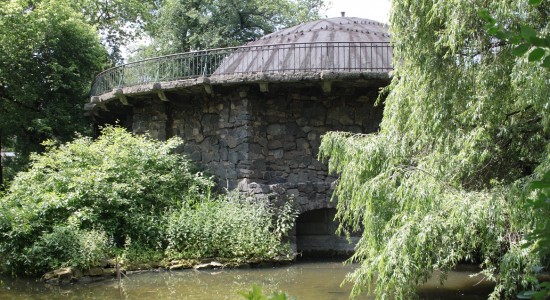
[340, 44]
[341, 29]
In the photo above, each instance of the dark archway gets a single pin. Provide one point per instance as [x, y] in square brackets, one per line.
[316, 235]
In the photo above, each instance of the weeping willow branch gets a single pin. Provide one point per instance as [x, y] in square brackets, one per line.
[441, 182]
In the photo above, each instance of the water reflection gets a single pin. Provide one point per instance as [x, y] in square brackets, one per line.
[306, 280]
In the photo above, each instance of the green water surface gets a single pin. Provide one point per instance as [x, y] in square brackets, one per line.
[304, 280]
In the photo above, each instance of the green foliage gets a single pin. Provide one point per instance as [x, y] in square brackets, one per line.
[118, 22]
[49, 57]
[541, 205]
[192, 25]
[540, 236]
[465, 128]
[231, 227]
[67, 246]
[256, 294]
[134, 253]
[525, 39]
[131, 197]
[120, 184]
[50, 52]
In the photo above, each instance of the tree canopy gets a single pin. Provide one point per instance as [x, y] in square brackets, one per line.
[118, 22]
[199, 24]
[51, 50]
[49, 57]
[466, 125]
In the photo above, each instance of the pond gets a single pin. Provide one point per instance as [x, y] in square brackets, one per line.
[303, 280]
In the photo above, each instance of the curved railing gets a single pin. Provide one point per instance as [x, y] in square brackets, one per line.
[268, 59]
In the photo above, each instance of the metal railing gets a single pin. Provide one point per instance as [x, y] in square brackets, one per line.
[267, 59]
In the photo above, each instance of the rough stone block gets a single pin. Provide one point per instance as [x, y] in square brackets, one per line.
[223, 153]
[233, 157]
[277, 153]
[229, 171]
[302, 144]
[320, 186]
[232, 141]
[262, 141]
[289, 145]
[293, 192]
[243, 185]
[343, 115]
[209, 122]
[254, 148]
[312, 136]
[195, 156]
[276, 129]
[305, 187]
[207, 157]
[274, 144]
[293, 156]
[277, 188]
[245, 173]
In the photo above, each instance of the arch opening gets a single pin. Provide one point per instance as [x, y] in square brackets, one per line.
[316, 235]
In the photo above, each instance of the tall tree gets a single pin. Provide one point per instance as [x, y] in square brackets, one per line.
[185, 25]
[49, 57]
[466, 124]
[118, 22]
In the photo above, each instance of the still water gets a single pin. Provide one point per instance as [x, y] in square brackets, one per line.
[304, 280]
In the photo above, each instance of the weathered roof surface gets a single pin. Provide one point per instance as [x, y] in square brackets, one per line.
[341, 29]
[336, 44]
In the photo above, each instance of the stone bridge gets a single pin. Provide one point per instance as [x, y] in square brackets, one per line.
[253, 116]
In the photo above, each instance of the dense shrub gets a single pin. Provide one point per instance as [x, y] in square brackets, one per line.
[67, 246]
[120, 184]
[231, 227]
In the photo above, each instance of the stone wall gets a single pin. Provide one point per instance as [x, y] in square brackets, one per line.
[265, 143]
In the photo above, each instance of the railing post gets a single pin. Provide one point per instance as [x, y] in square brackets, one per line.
[205, 57]
[158, 70]
[121, 80]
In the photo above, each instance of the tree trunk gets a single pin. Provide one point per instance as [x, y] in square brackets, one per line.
[1, 171]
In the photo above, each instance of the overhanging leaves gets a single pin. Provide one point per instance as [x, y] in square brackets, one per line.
[465, 127]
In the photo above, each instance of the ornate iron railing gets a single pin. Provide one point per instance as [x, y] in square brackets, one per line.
[267, 59]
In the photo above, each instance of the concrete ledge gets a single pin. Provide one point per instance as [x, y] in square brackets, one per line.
[258, 78]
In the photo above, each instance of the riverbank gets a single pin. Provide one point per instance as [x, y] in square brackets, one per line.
[113, 269]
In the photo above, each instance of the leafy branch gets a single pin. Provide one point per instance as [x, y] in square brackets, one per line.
[526, 40]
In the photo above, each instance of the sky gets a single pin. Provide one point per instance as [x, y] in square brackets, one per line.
[377, 10]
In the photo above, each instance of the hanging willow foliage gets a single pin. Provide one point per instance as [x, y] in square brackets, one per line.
[466, 126]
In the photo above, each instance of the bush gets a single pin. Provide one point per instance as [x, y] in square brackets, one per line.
[231, 227]
[120, 184]
[68, 247]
